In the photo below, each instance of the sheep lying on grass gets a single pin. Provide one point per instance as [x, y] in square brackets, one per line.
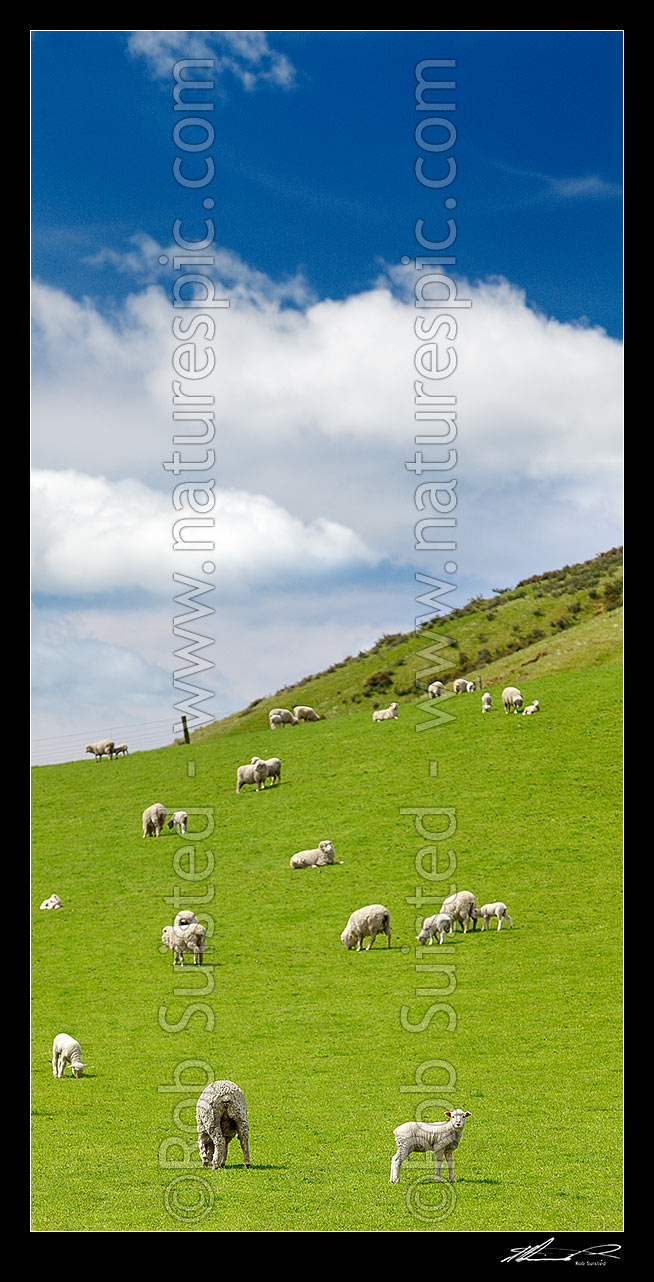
[179, 822]
[442, 1138]
[65, 1050]
[103, 749]
[323, 854]
[53, 902]
[185, 939]
[462, 907]
[371, 920]
[255, 772]
[440, 925]
[512, 699]
[274, 768]
[222, 1113]
[531, 709]
[386, 714]
[498, 910]
[153, 819]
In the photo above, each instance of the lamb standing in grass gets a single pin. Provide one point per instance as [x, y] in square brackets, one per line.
[435, 690]
[442, 1138]
[441, 924]
[179, 822]
[531, 709]
[323, 854]
[486, 702]
[512, 699]
[286, 717]
[221, 1114]
[53, 902]
[304, 713]
[274, 768]
[371, 920]
[103, 749]
[462, 907]
[65, 1050]
[154, 818]
[498, 910]
[255, 772]
[386, 714]
[121, 750]
[188, 939]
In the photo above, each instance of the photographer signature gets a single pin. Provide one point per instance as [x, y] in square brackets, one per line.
[548, 1252]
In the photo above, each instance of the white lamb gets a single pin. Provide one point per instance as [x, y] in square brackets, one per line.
[179, 822]
[323, 854]
[255, 772]
[462, 907]
[470, 687]
[386, 714]
[53, 902]
[486, 702]
[512, 699]
[304, 713]
[221, 1114]
[498, 910]
[65, 1050]
[287, 717]
[435, 690]
[121, 750]
[441, 924]
[274, 720]
[442, 1138]
[531, 709]
[103, 749]
[189, 939]
[371, 920]
[153, 819]
[274, 767]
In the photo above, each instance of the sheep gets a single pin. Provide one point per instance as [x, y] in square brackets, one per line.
[440, 925]
[274, 720]
[470, 687]
[435, 690]
[191, 938]
[121, 750]
[179, 822]
[531, 708]
[386, 714]
[323, 854]
[441, 1138]
[255, 772]
[274, 768]
[65, 1050]
[184, 918]
[304, 713]
[287, 717]
[53, 902]
[370, 920]
[498, 910]
[103, 749]
[486, 702]
[512, 699]
[154, 818]
[460, 686]
[221, 1114]
[462, 907]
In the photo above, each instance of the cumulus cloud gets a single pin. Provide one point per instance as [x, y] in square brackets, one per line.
[244, 54]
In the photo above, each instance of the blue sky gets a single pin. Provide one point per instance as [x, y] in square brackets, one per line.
[316, 201]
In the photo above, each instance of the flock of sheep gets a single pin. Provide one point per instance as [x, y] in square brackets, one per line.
[221, 1111]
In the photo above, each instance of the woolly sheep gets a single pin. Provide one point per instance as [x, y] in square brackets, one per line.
[323, 854]
[512, 699]
[53, 902]
[442, 1138]
[304, 713]
[154, 818]
[435, 690]
[274, 720]
[498, 910]
[221, 1114]
[255, 772]
[184, 918]
[531, 708]
[65, 1050]
[486, 702]
[103, 749]
[121, 750]
[460, 686]
[179, 822]
[470, 687]
[440, 925]
[370, 920]
[386, 714]
[190, 939]
[462, 907]
[287, 717]
[274, 767]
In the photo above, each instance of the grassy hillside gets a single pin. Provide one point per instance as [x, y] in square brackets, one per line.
[565, 620]
[320, 1038]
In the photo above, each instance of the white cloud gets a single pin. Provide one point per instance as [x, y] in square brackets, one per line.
[245, 54]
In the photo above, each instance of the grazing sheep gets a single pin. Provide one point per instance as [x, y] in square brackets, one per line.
[53, 902]
[304, 713]
[371, 920]
[103, 749]
[486, 702]
[154, 818]
[191, 938]
[121, 750]
[274, 720]
[460, 686]
[470, 687]
[65, 1050]
[274, 766]
[531, 708]
[287, 717]
[498, 910]
[255, 772]
[512, 699]
[323, 854]
[221, 1114]
[442, 1138]
[435, 690]
[386, 714]
[440, 925]
[179, 822]
[462, 907]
